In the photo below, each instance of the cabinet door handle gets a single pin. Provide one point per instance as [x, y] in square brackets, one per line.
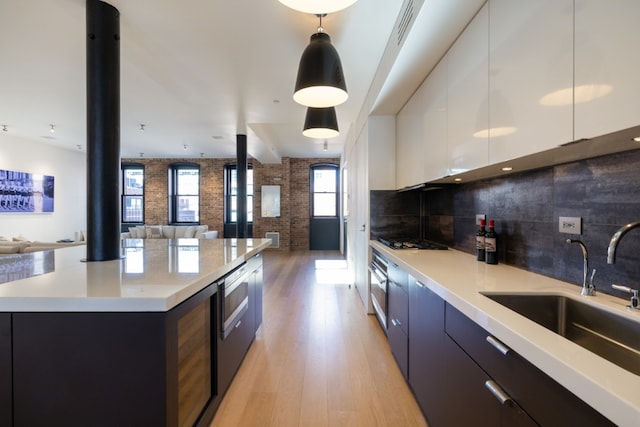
[497, 391]
[238, 324]
[395, 322]
[498, 345]
[420, 284]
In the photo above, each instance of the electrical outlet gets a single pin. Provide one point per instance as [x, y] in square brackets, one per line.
[479, 217]
[570, 224]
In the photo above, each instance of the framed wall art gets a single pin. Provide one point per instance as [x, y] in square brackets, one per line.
[24, 192]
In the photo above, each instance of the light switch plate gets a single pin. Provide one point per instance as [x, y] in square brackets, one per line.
[479, 217]
[570, 224]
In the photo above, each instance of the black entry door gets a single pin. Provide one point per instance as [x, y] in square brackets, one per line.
[324, 224]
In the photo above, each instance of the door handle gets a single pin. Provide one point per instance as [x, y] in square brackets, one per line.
[363, 227]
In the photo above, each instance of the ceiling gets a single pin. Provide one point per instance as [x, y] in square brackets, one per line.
[196, 73]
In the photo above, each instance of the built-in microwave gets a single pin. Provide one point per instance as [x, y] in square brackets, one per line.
[234, 299]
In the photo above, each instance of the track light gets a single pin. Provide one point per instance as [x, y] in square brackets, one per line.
[52, 128]
[320, 82]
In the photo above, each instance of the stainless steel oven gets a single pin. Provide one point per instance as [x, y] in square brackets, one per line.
[234, 299]
[378, 286]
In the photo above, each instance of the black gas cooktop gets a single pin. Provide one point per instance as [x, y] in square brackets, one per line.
[411, 244]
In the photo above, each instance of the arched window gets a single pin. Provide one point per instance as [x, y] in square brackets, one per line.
[324, 190]
[184, 193]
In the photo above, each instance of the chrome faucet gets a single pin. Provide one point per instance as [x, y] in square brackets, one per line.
[588, 289]
[613, 244]
[611, 259]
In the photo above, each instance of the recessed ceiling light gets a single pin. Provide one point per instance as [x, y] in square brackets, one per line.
[216, 137]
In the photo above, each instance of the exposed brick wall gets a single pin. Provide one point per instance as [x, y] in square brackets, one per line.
[293, 176]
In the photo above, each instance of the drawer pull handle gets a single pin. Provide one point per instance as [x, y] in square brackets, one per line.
[420, 284]
[497, 392]
[395, 322]
[498, 345]
[238, 324]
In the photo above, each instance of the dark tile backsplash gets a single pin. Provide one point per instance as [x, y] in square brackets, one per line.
[604, 191]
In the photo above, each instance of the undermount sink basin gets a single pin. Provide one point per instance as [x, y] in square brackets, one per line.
[612, 337]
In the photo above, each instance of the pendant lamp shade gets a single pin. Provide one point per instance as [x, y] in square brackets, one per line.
[320, 81]
[321, 123]
[318, 6]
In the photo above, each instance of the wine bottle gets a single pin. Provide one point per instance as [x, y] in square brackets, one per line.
[490, 245]
[480, 243]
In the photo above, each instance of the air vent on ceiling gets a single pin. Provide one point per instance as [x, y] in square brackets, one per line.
[275, 238]
[405, 21]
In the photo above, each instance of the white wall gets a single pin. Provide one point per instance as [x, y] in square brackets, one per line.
[70, 199]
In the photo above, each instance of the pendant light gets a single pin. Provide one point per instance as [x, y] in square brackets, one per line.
[320, 82]
[321, 123]
[317, 6]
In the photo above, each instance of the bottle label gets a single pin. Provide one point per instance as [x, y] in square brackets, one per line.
[480, 242]
[490, 244]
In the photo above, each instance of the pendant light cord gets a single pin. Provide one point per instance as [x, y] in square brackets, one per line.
[320, 16]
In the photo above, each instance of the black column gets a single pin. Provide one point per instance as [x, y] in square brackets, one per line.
[103, 131]
[241, 162]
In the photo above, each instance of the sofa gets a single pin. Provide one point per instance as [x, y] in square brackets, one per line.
[23, 246]
[170, 232]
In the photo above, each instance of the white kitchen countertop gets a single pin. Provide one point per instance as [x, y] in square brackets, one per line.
[154, 275]
[459, 278]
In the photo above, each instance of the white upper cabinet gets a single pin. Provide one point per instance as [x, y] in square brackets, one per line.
[409, 145]
[607, 63]
[382, 152]
[468, 91]
[435, 123]
[530, 76]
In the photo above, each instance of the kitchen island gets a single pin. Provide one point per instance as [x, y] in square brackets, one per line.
[458, 281]
[135, 341]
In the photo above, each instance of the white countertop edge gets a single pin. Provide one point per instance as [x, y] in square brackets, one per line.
[83, 303]
[605, 386]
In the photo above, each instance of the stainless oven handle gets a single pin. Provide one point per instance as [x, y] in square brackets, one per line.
[230, 288]
[375, 273]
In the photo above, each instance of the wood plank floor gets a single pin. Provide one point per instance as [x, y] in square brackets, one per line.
[318, 359]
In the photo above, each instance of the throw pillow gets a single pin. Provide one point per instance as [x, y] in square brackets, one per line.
[168, 231]
[20, 238]
[142, 231]
[154, 232]
[200, 230]
[189, 232]
[4, 239]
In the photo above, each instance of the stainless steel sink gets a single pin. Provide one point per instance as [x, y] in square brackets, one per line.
[612, 337]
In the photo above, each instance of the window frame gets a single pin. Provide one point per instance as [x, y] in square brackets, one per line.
[335, 192]
[123, 196]
[228, 168]
[174, 196]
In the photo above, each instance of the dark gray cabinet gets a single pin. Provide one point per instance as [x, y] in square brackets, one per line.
[426, 357]
[106, 369]
[6, 386]
[524, 385]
